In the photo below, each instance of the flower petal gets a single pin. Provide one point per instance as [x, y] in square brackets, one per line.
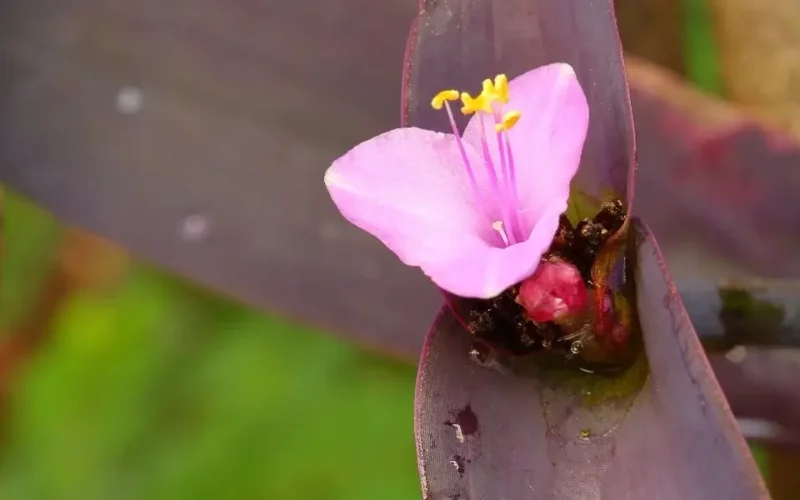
[409, 187]
[482, 271]
[547, 141]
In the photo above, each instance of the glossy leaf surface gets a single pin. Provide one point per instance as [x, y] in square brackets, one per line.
[482, 434]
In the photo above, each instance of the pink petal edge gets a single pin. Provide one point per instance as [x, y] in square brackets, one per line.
[408, 187]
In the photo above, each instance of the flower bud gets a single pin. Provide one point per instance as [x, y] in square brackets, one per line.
[555, 292]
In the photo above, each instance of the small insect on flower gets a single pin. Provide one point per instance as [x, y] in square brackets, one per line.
[479, 212]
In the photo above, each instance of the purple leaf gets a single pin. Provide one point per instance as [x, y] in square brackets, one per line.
[761, 383]
[536, 432]
[195, 134]
[714, 180]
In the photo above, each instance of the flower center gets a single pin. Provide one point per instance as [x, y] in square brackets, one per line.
[502, 176]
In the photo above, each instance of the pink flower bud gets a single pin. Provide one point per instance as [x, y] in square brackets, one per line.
[555, 291]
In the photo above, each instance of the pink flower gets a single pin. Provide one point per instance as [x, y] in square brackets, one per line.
[475, 213]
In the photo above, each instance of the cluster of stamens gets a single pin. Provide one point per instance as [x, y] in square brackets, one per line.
[494, 95]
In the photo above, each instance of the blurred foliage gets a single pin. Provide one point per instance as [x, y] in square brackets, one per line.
[29, 245]
[160, 391]
[701, 48]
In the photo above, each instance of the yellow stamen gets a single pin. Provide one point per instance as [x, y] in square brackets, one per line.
[475, 104]
[488, 89]
[509, 120]
[501, 88]
[491, 92]
[441, 97]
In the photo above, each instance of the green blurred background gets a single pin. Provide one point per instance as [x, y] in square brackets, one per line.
[146, 387]
[153, 389]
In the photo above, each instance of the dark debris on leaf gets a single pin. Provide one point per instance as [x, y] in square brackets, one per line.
[458, 463]
[465, 423]
[500, 325]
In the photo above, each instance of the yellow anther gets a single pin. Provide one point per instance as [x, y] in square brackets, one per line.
[475, 104]
[491, 92]
[441, 97]
[488, 89]
[470, 105]
[501, 88]
[488, 95]
[509, 120]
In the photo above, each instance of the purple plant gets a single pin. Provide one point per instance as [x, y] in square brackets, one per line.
[531, 429]
[482, 213]
[662, 428]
